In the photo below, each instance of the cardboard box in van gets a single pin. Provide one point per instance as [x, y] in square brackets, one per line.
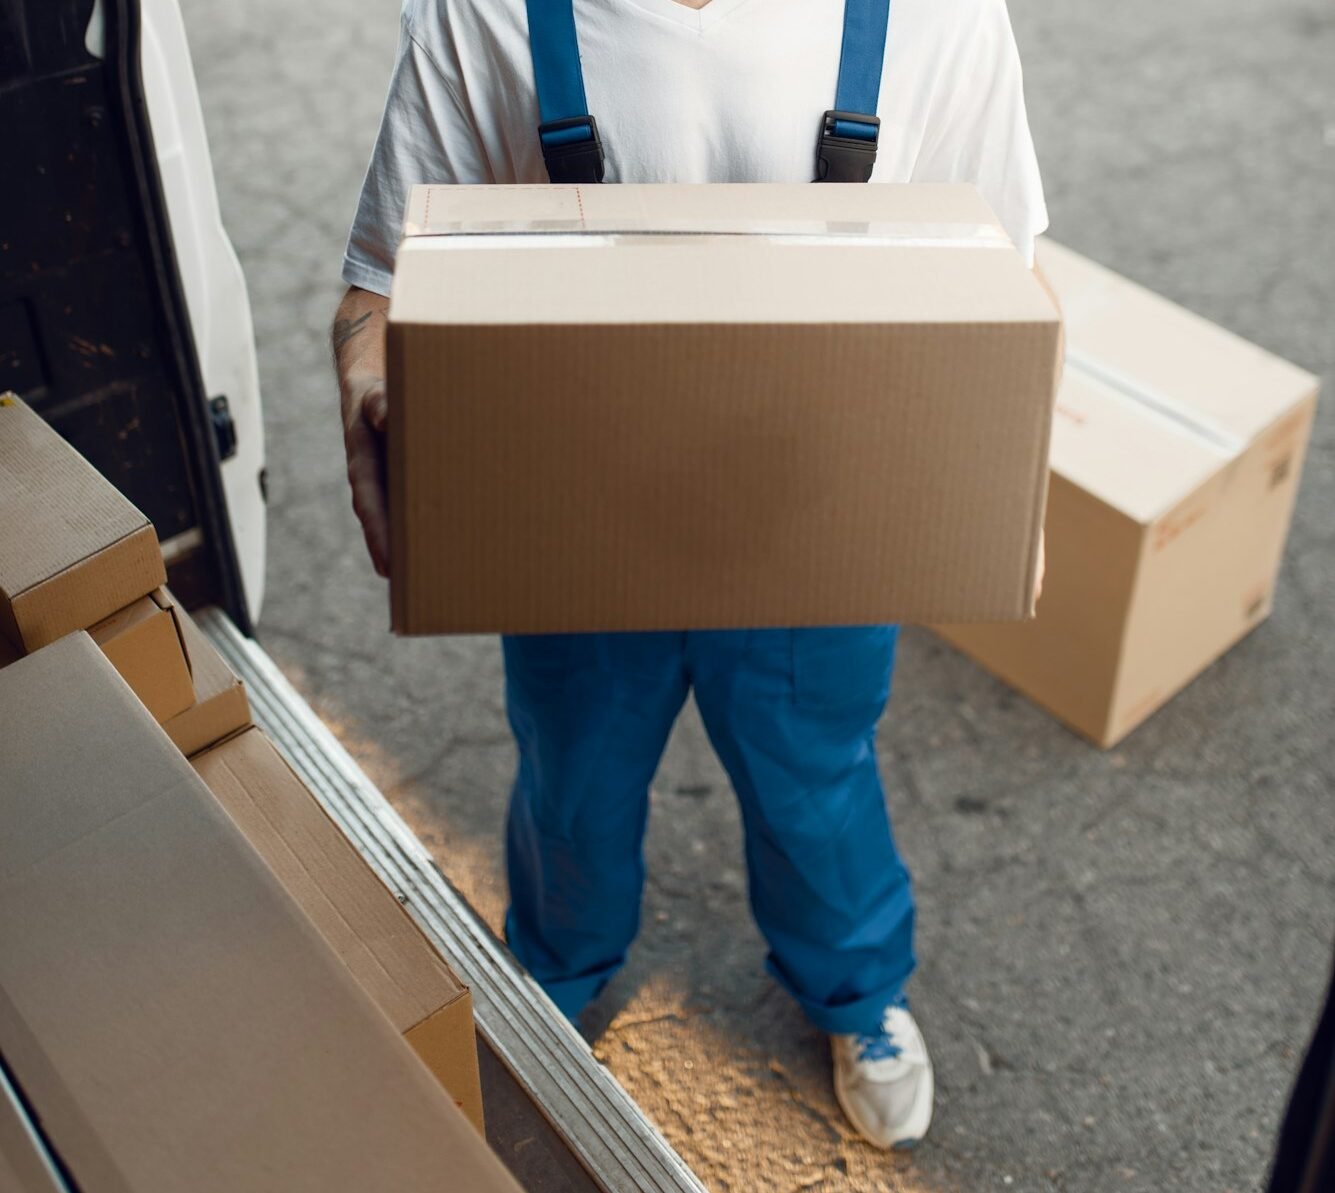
[72, 549]
[219, 708]
[169, 1011]
[145, 643]
[360, 918]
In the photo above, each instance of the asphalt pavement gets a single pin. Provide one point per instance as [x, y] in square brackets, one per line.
[1121, 953]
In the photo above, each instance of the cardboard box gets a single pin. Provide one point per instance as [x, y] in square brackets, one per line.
[363, 922]
[26, 1165]
[166, 1007]
[72, 549]
[219, 708]
[1176, 457]
[145, 644]
[664, 407]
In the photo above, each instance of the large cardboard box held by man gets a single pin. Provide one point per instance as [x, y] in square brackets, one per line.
[171, 1014]
[72, 549]
[670, 407]
[362, 921]
[1176, 457]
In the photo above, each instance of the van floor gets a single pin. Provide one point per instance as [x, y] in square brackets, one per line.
[1122, 953]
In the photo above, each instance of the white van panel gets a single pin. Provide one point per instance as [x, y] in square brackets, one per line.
[215, 287]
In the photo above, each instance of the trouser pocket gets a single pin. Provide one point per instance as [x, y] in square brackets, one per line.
[844, 670]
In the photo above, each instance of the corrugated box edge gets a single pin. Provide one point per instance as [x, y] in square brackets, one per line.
[437, 1040]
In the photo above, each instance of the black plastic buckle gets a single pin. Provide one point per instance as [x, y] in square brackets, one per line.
[842, 158]
[572, 159]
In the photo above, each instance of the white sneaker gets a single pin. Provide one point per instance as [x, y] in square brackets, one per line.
[884, 1082]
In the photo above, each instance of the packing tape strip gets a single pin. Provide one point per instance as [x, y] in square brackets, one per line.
[474, 242]
[1192, 421]
[806, 231]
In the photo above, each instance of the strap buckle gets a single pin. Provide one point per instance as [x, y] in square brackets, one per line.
[847, 150]
[572, 149]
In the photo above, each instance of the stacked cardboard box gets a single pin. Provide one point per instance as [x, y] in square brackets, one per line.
[1176, 457]
[219, 707]
[362, 921]
[118, 815]
[75, 555]
[166, 1007]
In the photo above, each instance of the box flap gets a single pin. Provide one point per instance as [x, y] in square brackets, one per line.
[891, 254]
[1217, 385]
[143, 643]
[125, 620]
[912, 211]
[221, 706]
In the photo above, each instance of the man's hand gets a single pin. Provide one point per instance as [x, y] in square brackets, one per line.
[364, 411]
[358, 340]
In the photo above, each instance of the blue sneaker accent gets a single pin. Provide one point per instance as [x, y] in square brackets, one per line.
[881, 1046]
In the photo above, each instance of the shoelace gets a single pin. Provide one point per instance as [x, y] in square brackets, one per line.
[881, 1046]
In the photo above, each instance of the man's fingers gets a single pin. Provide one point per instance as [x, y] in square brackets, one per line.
[366, 476]
[377, 409]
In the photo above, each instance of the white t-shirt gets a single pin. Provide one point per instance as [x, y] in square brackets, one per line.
[732, 92]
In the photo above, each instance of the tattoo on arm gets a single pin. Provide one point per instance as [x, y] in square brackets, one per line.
[347, 329]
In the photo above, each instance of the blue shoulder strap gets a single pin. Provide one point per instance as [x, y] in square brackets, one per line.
[569, 135]
[850, 130]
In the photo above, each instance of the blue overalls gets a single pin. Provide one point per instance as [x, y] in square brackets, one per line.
[792, 714]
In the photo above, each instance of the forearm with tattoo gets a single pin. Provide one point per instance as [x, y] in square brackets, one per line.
[345, 329]
[358, 336]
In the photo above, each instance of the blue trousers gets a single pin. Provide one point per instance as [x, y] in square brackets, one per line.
[792, 715]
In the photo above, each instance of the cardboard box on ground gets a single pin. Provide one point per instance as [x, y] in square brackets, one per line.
[1176, 458]
[356, 913]
[165, 1006]
[671, 407]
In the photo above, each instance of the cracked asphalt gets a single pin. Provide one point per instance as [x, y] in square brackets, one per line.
[1122, 953]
